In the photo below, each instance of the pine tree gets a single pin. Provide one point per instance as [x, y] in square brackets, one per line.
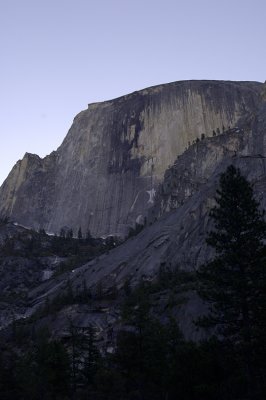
[69, 234]
[79, 233]
[234, 282]
[75, 355]
[91, 355]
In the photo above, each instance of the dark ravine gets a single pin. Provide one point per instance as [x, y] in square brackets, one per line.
[106, 172]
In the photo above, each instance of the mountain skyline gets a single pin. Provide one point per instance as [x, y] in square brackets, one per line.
[60, 56]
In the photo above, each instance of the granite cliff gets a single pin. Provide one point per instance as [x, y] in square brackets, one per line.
[174, 239]
[174, 236]
[106, 173]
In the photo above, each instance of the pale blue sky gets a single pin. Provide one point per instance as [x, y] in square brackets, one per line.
[59, 55]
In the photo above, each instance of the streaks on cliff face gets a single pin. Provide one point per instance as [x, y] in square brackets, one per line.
[124, 132]
[117, 152]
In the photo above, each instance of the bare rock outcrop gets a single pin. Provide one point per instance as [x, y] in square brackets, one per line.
[105, 174]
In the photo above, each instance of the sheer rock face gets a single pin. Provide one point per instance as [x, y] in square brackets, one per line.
[178, 237]
[108, 168]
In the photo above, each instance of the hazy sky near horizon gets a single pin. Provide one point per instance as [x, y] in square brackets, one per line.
[59, 55]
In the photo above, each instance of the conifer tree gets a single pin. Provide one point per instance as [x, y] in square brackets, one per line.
[79, 233]
[91, 355]
[234, 282]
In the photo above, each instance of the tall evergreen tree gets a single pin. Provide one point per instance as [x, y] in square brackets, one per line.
[91, 355]
[79, 233]
[234, 282]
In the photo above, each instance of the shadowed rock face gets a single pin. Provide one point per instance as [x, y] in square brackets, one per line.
[105, 173]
